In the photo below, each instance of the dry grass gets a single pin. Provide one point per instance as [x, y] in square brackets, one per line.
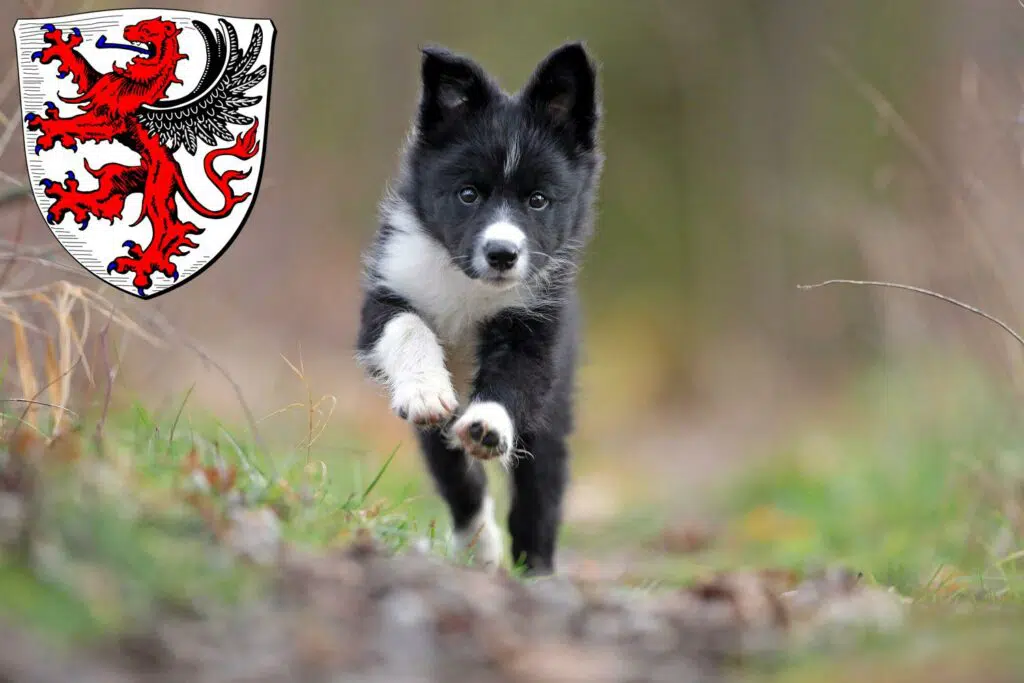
[47, 366]
[318, 412]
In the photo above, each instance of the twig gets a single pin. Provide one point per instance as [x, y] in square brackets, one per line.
[13, 125]
[910, 288]
[17, 246]
[13, 194]
[27, 250]
[888, 114]
[29, 402]
[109, 371]
[46, 263]
[174, 425]
[955, 185]
[33, 402]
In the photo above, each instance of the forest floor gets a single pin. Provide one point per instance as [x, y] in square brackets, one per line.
[147, 549]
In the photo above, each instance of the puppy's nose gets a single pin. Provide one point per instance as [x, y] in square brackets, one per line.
[501, 254]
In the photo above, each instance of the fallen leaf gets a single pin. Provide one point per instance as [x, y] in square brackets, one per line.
[768, 524]
[948, 582]
[208, 479]
[753, 596]
[684, 538]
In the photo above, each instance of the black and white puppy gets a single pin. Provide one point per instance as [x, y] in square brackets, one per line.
[470, 316]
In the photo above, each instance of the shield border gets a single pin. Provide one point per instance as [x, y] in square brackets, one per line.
[264, 123]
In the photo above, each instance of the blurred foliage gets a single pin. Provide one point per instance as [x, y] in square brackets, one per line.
[720, 120]
[751, 147]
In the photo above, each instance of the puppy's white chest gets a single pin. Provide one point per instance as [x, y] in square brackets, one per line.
[419, 269]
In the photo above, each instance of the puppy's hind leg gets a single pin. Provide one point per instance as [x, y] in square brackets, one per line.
[462, 483]
[539, 481]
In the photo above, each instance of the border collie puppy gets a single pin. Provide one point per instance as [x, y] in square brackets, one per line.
[470, 317]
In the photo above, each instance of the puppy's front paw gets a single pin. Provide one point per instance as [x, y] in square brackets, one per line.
[425, 403]
[485, 431]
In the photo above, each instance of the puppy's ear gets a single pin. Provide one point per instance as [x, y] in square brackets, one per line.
[563, 90]
[453, 87]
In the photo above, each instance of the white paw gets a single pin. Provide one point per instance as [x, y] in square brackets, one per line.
[429, 401]
[411, 360]
[485, 432]
[481, 539]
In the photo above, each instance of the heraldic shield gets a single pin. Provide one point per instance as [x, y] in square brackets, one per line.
[145, 136]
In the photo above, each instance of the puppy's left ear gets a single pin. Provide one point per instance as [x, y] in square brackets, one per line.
[563, 90]
[453, 89]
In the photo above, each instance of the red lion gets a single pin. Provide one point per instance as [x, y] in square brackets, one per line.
[128, 105]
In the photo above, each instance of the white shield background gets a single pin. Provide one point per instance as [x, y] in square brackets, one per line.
[97, 245]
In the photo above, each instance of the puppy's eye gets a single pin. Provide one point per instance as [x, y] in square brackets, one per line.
[537, 201]
[468, 195]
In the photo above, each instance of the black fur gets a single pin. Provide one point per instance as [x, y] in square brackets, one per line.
[526, 351]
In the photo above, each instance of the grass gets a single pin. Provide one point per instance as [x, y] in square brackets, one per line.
[123, 532]
[919, 485]
[917, 482]
[923, 491]
[939, 650]
[124, 506]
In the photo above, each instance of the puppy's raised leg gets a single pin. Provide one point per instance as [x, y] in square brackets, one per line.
[401, 351]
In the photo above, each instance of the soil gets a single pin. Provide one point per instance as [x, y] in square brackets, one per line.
[363, 614]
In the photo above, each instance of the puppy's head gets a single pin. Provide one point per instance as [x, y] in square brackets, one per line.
[504, 182]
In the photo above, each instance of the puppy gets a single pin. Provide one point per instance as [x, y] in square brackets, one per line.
[471, 317]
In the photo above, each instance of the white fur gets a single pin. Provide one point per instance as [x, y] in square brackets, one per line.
[415, 266]
[503, 230]
[508, 232]
[482, 537]
[496, 419]
[512, 157]
[412, 361]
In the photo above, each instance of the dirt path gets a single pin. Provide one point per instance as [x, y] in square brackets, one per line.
[363, 614]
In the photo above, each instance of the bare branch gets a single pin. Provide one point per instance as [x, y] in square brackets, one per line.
[14, 193]
[887, 113]
[17, 244]
[168, 331]
[111, 375]
[33, 402]
[927, 292]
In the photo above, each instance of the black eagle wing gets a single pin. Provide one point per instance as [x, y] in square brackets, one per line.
[219, 98]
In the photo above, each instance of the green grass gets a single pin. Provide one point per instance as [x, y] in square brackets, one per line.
[918, 478]
[927, 481]
[936, 649]
[119, 536]
[321, 493]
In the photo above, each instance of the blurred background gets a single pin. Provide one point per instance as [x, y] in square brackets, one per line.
[751, 147]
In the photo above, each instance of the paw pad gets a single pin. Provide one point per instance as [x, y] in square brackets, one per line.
[484, 432]
[479, 433]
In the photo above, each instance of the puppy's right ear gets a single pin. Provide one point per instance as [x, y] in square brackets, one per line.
[453, 87]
